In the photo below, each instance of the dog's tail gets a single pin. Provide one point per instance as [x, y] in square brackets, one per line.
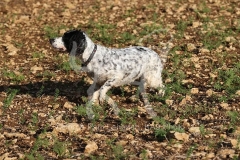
[163, 50]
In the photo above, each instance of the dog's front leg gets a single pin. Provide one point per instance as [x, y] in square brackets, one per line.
[104, 97]
[91, 90]
[93, 99]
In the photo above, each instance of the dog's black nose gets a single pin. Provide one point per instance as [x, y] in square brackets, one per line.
[51, 40]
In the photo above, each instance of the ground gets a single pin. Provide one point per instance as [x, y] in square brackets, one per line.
[42, 100]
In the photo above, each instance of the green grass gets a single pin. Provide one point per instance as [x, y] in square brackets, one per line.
[190, 151]
[40, 92]
[81, 110]
[164, 128]
[33, 154]
[56, 94]
[128, 117]
[60, 148]
[47, 75]
[181, 27]
[18, 44]
[11, 93]
[234, 117]
[38, 55]
[14, 78]
[63, 64]
[228, 80]
[116, 151]
[104, 32]
[51, 32]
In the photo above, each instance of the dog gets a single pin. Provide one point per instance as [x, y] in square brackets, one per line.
[111, 67]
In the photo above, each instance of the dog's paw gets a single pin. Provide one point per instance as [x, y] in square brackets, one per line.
[116, 110]
[161, 92]
[89, 110]
[150, 111]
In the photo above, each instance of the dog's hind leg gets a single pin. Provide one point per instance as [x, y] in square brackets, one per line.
[147, 105]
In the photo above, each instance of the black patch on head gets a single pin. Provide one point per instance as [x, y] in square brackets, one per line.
[140, 49]
[78, 37]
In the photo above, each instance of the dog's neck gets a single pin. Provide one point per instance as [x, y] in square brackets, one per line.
[89, 49]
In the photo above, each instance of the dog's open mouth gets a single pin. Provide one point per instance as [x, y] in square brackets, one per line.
[63, 49]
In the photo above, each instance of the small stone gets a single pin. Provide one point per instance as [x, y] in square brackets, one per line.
[190, 47]
[224, 153]
[183, 102]
[186, 124]
[8, 38]
[120, 24]
[210, 135]
[181, 136]
[224, 105]
[130, 137]
[235, 143]
[195, 59]
[212, 75]
[69, 5]
[194, 91]
[68, 105]
[209, 92]
[187, 81]
[169, 102]
[197, 65]
[34, 69]
[196, 24]
[122, 143]
[56, 106]
[210, 155]
[70, 128]
[62, 31]
[204, 50]
[146, 154]
[177, 120]
[238, 92]
[11, 49]
[223, 136]
[90, 148]
[194, 130]
[207, 117]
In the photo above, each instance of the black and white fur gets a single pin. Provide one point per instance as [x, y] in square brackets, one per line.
[112, 67]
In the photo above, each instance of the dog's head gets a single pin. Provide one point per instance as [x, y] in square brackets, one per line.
[65, 43]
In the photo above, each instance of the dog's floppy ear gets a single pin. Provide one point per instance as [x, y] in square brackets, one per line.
[75, 35]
